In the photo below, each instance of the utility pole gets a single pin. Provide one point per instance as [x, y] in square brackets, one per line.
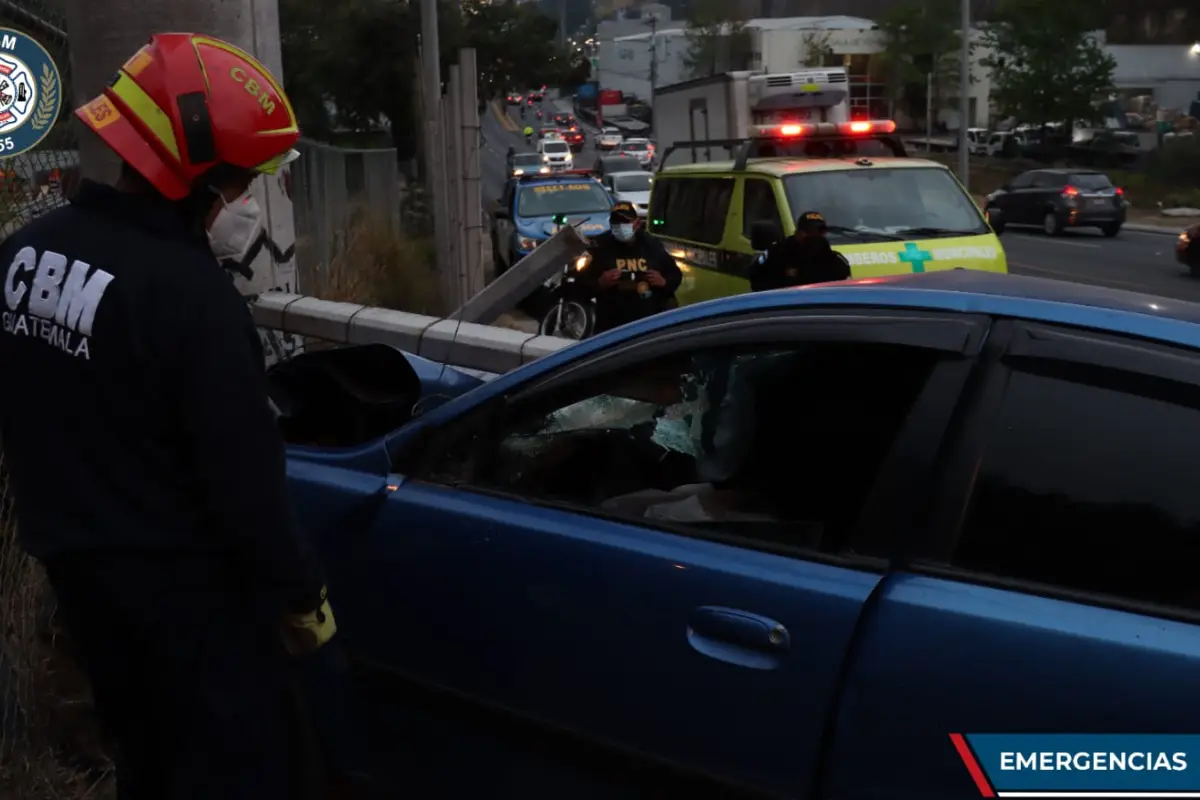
[653, 68]
[435, 163]
[117, 29]
[964, 98]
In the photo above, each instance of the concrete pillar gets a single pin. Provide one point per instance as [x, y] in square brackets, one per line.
[104, 33]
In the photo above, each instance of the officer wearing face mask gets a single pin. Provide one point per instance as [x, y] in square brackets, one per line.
[630, 273]
[801, 259]
[143, 453]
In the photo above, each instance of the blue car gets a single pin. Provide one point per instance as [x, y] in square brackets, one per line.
[774, 545]
[524, 215]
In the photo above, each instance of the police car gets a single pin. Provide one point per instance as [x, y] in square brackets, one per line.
[524, 216]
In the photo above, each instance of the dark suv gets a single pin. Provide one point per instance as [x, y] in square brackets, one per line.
[1057, 199]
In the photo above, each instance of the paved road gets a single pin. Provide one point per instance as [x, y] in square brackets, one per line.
[1135, 260]
[1141, 262]
[498, 139]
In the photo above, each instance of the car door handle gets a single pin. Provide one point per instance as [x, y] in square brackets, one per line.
[738, 637]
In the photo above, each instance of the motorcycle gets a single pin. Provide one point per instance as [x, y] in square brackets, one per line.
[572, 314]
[572, 310]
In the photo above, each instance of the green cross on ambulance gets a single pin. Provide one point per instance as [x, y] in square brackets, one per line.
[887, 214]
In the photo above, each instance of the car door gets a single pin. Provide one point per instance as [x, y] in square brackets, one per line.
[1053, 588]
[646, 571]
[1045, 194]
[1014, 203]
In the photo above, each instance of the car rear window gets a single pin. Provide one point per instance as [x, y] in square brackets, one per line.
[634, 146]
[555, 147]
[526, 159]
[1090, 180]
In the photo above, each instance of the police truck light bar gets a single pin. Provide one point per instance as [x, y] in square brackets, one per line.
[857, 128]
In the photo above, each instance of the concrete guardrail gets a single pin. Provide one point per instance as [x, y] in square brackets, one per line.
[459, 344]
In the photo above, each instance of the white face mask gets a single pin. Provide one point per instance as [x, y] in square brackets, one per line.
[623, 231]
[236, 228]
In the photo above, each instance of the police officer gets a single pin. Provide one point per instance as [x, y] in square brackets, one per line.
[801, 259]
[630, 273]
[147, 467]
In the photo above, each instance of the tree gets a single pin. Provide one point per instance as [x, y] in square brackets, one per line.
[717, 38]
[1045, 65]
[816, 49]
[921, 38]
[352, 65]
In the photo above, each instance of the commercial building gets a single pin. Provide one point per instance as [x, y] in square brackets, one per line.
[1169, 74]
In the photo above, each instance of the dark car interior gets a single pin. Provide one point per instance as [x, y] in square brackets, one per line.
[343, 397]
[805, 473]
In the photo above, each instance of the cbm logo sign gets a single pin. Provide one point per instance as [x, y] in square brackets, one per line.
[30, 92]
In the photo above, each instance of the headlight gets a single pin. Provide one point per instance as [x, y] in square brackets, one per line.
[525, 243]
[518, 171]
[1184, 238]
[544, 170]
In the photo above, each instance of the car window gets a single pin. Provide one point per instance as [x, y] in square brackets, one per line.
[1089, 181]
[1089, 488]
[526, 159]
[636, 147]
[758, 204]
[544, 200]
[1049, 180]
[693, 209]
[725, 439]
[633, 183]
[1023, 181]
[884, 201]
[555, 147]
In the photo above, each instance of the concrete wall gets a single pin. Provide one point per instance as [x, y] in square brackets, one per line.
[1171, 72]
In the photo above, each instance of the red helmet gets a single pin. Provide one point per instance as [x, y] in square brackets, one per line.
[185, 103]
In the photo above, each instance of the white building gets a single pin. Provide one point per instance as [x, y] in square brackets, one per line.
[1171, 73]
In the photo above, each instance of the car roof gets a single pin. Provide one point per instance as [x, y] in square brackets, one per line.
[998, 294]
[552, 178]
[1068, 171]
[790, 165]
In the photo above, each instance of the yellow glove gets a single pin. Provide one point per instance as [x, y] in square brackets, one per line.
[306, 633]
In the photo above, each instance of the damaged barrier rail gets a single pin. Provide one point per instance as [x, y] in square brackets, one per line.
[462, 340]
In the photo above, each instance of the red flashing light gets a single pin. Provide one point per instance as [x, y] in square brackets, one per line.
[860, 127]
[791, 130]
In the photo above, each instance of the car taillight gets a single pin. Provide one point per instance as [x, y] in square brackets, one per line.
[1119, 192]
[1070, 191]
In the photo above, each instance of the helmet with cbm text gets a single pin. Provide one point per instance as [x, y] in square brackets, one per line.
[186, 103]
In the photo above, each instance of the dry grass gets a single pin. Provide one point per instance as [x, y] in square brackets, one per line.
[49, 741]
[379, 267]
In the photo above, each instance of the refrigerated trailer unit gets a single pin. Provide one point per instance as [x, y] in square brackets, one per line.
[728, 107]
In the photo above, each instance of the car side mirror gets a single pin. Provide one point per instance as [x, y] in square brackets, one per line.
[764, 234]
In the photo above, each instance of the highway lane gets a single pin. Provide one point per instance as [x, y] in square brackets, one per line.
[1136, 261]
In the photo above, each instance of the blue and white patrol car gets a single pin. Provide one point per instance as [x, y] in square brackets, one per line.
[524, 216]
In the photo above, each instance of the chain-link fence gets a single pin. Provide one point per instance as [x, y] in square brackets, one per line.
[336, 190]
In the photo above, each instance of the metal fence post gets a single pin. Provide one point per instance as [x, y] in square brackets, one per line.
[454, 183]
[472, 200]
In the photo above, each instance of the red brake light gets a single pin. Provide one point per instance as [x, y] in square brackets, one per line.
[1120, 192]
[1070, 191]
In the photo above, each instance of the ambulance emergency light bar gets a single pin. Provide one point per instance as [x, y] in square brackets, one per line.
[788, 130]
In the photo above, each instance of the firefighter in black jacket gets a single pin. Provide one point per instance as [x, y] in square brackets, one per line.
[801, 259]
[146, 463]
[630, 273]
